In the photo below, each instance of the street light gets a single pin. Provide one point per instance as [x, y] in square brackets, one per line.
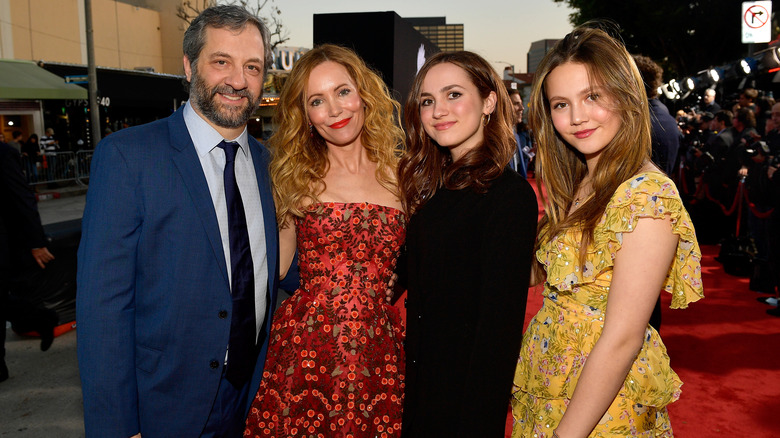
[511, 67]
[507, 63]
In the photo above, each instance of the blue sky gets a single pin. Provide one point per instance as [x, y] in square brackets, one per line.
[499, 30]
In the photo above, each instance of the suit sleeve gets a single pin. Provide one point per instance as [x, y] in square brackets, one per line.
[292, 281]
[505, 264]
[21, 198]
[105, 303]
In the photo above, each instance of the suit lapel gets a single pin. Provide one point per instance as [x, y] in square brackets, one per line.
[187, 162]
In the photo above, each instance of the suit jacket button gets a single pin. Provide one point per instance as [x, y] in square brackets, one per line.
[214, 364]
[223, 314]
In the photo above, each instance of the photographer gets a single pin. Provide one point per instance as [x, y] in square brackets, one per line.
[771, 184]
[709, 167]
[760, 162]
[773, 229]
[697, 134]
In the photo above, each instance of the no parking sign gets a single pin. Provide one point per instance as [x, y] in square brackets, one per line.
[756, 22]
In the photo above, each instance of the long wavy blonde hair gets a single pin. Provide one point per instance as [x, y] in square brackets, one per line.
[560, 166]
[299, 159]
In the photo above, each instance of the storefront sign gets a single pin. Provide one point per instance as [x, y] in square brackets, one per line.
[285, 57]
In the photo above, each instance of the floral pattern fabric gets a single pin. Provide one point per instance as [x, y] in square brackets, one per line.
[335, 364]
[566, 328]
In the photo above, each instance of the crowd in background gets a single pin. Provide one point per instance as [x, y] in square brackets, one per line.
[729, 151]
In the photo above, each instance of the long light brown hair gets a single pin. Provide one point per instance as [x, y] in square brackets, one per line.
[426, 166]
[560, 166]
[299, 154]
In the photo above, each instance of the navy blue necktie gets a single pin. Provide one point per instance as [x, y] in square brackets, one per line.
[242, 353]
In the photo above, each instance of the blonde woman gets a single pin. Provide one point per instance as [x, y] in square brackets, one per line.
[335, 361]
[614, 235]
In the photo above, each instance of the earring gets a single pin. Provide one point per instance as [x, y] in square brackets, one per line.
[311, 131]
[485, 120]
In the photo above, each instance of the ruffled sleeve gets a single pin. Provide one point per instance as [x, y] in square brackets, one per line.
[654, 195]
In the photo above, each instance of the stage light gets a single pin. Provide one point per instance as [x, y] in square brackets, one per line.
[671, 90]
[775, 67]
[745, 66]
[667, 91]
[690, 84]
[713, 75]
[675, 86]
[769, 60]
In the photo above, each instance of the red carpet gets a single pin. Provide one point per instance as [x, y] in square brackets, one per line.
[726, 350]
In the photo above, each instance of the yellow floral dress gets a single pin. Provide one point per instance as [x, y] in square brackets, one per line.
[566, 328]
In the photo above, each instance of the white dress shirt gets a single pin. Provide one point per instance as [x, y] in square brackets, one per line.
[212, 160]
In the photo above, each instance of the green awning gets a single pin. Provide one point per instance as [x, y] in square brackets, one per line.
[25, 80]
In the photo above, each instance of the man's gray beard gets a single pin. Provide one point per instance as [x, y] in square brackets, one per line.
[223, 116]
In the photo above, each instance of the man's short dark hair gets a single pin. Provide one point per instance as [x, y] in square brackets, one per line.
[652, 74]
[746, 117]
[512, 91]
[232, 17]
[16, 134]
[750, 93]
[724, 116]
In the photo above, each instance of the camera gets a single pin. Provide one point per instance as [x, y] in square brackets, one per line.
[756, 148]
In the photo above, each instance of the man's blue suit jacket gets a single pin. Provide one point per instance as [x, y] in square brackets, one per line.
[152, 283]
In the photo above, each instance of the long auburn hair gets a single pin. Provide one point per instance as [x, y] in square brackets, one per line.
[299, 154]
[560, 166]
[426, 166]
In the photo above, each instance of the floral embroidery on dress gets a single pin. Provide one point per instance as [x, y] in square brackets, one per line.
[335, 364]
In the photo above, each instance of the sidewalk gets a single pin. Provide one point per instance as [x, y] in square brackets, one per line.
[42, 397]
[60, 205]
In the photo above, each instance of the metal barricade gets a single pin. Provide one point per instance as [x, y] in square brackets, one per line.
[58, 167]
[83, 164]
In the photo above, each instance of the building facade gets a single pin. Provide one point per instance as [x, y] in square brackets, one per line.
[536, 53]
[448, 37]
[132, 38]
[128, 34]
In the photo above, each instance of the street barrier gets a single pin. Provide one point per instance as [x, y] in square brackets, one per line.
[58, 167]
[83, 164]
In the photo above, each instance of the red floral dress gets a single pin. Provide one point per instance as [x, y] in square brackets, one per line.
[335, 364]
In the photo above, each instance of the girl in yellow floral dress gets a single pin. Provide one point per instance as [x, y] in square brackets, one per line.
[614, 235]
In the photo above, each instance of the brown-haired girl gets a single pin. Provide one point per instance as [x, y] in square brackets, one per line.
[469, 246]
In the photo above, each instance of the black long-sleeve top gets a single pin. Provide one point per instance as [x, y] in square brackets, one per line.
[468, 268]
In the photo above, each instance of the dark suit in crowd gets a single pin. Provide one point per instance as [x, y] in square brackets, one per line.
[665, 135]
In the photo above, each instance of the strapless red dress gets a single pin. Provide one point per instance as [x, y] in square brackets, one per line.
[335, 364]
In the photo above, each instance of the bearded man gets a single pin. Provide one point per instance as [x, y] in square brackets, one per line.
[178, 266]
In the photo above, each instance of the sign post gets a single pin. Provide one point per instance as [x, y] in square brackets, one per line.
[756, 22]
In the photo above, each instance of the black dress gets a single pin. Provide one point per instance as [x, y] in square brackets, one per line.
[468, 266]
